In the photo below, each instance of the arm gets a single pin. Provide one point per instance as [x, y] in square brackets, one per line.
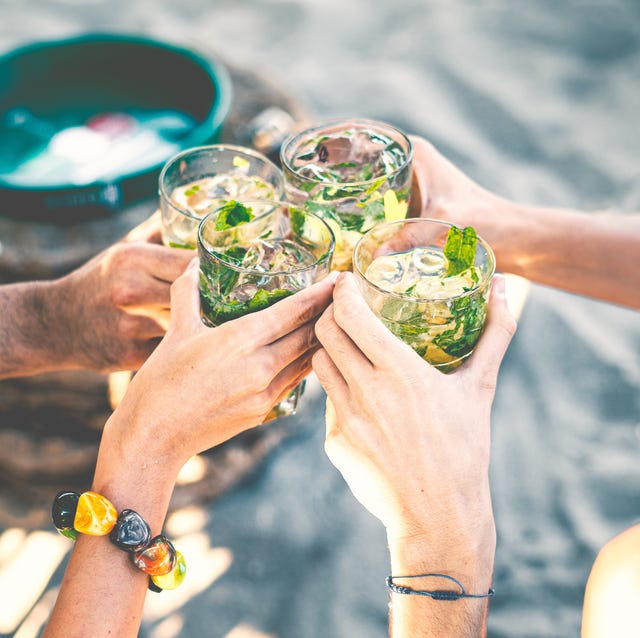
[413, 445]
[200, 387]
[593, 254]
[613, 589]
[107, 315]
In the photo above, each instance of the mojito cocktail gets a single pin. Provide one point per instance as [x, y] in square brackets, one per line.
[353, 173]
[252, 254]
[429, 282]
[200, 180]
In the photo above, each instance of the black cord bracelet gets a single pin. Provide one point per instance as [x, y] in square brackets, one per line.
[437, 594]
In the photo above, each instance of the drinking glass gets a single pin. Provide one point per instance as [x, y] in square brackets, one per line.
[354, 173]
[410, 284]
[201, 179]
[248, 267]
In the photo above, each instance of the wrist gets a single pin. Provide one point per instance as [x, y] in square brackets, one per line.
[508, 229]
[462, 547]
[134, 471]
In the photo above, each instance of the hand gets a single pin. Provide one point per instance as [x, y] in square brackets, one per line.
[203, 385]
[442, 191]
[411, 442]
[531, 241]
[111, 313]
[199, 387]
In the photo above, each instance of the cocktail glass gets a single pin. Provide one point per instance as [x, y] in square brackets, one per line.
[414, 288]
[353, 173]
[201, 179]
[250, 266]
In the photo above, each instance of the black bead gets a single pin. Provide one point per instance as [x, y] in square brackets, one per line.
[153, 587]
[63, 511]
[130, 532]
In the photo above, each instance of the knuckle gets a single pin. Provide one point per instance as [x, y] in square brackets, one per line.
[304, 310]
[122, 255]
[326, 329]
[123, 293]
[345, 314]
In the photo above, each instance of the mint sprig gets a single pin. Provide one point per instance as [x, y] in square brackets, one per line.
[460, 249]
[233, 214]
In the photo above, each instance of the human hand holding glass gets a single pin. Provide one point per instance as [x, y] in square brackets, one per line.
[107, 315]
[413, 445]
[254, 254]
[592, 254]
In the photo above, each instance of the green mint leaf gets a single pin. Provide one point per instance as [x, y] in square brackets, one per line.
[175, 244]
[233, 214]
[296, 218]
[350, 221]
[460, 249]
[264, 298]
[469, 314]
[344, 165]
[225, 311]
[234, 254]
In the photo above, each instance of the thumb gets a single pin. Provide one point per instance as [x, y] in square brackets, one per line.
[498, 332]
[185, 299]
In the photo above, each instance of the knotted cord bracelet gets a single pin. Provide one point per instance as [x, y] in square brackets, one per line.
[437, 594]
[93, 514]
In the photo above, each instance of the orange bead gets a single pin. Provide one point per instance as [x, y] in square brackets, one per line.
[95, 515]
[157, 558]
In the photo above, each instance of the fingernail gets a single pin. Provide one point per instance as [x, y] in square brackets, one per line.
[333, 276]
[194, 263]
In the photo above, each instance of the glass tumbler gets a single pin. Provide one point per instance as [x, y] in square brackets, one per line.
[429, 292]
[201, 179]
[354, 173]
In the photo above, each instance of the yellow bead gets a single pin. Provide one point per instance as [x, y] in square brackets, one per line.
[175, 577]
[95, 515]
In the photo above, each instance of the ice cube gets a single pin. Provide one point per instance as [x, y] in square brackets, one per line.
[256, 256]
[428, 262]
[386, 271]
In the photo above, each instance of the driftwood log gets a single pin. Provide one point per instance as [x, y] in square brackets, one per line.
[50, 424]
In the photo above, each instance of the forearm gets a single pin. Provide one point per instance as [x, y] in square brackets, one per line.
[102, 592]
[592, 254]
[29, 335]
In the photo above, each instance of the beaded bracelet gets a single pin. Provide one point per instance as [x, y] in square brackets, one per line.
[438, 594]
[93, 514]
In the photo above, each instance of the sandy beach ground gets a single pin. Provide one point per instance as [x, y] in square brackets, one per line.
[537, 100]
